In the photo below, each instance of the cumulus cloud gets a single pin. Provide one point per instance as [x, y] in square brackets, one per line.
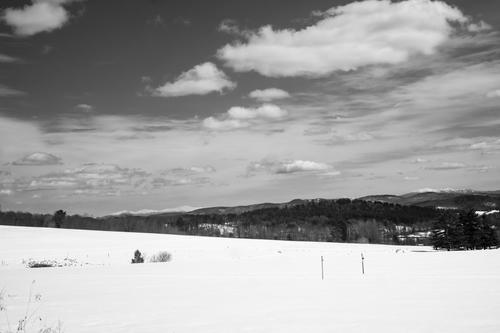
[240, 117]
[288, 167]
[38, 158]
[267, 95]
[39, 16]
[346, 38]
[200, 80]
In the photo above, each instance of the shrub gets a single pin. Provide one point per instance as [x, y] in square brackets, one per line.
[31, 321]
[138, 258]
[162, 256]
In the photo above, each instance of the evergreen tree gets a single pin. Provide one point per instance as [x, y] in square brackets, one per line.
[138, 258]
[59, 217]
[440, 232]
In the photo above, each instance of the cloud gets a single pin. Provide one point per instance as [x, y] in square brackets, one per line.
[493, 94]
[487, 145]
[224, 124]
[230, 26]
[90, 178]
[194, 170]
[447, 166]
[342, 136]
[346, 38]
[182, 21]
[9, 92]
[39, 16]
[85, 107]
[200, 80]
[163, 182]
[264, 111]
[195, 175]
[6, 58]
[479, 27]
[287, 166]
[157, 20]
[6, 191]
[37, 159]
[419, 160]
[241, 117]
[269, 94]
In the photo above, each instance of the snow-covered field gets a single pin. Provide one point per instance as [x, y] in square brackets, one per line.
[238, 285]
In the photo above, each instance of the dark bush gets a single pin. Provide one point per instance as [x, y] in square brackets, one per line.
[138, 258]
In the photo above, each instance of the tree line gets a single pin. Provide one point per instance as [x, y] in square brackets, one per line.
[340, 220]
[463, 231]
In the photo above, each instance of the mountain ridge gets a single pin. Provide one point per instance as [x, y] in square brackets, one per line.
[445, 199]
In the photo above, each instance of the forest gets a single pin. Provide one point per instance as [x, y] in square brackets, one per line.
[339, 220]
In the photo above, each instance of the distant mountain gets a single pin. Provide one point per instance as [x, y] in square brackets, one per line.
[146, 212]
[247, 208]
[447, 199]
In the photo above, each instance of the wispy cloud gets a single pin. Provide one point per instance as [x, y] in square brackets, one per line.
[446, 166]
[10, 92]
[8, 59]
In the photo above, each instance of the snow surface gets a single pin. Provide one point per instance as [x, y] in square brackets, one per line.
[240, 285]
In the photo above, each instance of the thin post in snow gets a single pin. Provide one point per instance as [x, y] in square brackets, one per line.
[362, 264]
[322, 270]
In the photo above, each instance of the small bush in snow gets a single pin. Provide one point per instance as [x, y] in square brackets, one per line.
[138, 258]
[162, 256]
[31, 263]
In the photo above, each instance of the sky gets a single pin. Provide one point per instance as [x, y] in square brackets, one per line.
[117, 105]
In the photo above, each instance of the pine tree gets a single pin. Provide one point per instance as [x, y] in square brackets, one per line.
[471, 229]
[138, 258]
[440, 232]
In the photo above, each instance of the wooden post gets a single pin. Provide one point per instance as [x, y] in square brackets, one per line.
[362, 264]
[322, 270]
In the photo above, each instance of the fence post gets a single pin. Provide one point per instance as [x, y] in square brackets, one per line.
[322, 270]
[362, 264]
